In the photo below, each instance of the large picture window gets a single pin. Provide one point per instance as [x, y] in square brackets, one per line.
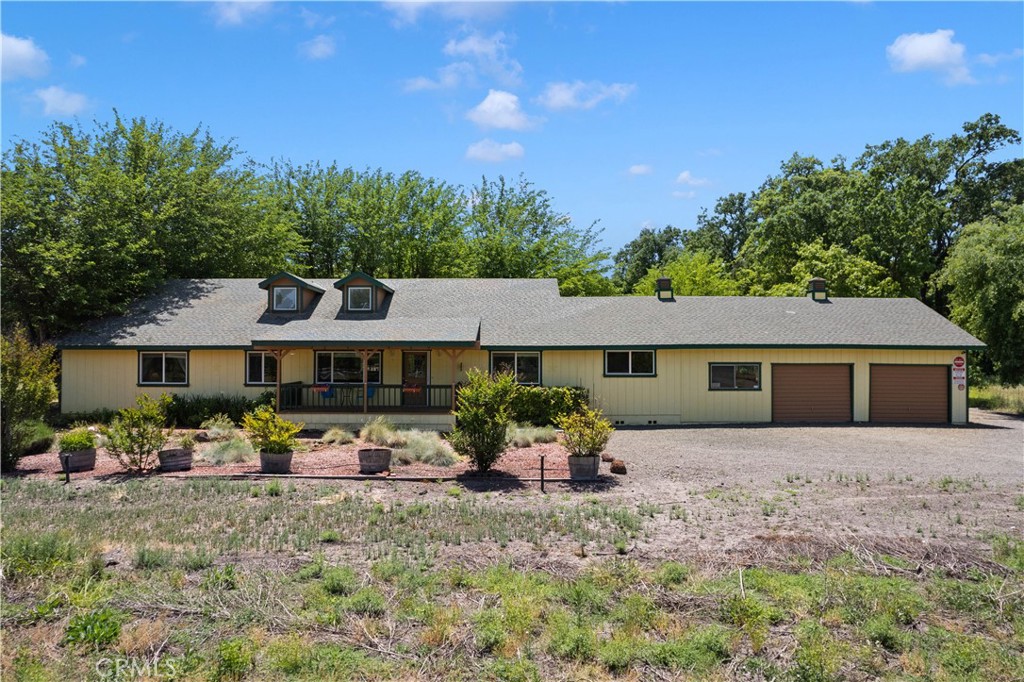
[286, 298]
[163, 368]
[260, 368]
[360, 299]
[524, 365]
[735, 377]
[346, 367]
[629, 363]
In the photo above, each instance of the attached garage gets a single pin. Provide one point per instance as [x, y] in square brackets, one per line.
[812, 393]
[909, 394]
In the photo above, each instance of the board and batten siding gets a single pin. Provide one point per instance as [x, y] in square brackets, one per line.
[680, 394]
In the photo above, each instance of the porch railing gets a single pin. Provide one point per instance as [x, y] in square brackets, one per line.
[379, 398]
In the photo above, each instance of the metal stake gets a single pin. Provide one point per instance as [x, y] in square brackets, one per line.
[65, 459]
[542, 473]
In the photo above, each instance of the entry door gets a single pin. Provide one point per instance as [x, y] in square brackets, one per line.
[414, 378]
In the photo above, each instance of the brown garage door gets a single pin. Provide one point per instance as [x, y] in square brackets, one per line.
[909, 393]
[811, 393]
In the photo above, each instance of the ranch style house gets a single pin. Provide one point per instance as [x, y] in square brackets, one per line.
[340, 352]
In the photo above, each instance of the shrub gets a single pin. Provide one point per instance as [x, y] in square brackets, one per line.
[571, 640]
[231, 451]
[671, 573]
[190, 410]
[26, 554]
[381, 431]
[700, 650]
[522, 436]
[274, 488]
[148, 559]
[235, 658]
[65, 419]
[482, 418]
[541, 405]
[137, 433]
[98, 629]
[366, 602]
[340, 580]
[219, 427]
[32, 437]
[338, 436]
[270, 432]
[27, 376]
[426, 447]
[586, 432]
[224, 578]
[77, 439]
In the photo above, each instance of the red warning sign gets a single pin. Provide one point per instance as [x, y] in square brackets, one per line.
[959, 361]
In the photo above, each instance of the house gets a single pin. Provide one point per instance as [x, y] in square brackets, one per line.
[338, 352]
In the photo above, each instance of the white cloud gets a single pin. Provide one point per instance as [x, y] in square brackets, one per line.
[689, 194]
[640, 169]
[21, 58]
[59, 102]
[930, 52]
[501, 110]
[313, 20]
[448, 77]
[580, 95]
[233, 13]
[320, 47]
[408, 12]
[687, 178]
[492, 152]
[76, 61]
[993, 59]
[477, 55]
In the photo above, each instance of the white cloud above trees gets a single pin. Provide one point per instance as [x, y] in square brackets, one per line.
[489, 151]
[22, 58]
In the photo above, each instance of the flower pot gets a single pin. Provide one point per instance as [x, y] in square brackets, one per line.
[175, 459]
[374, 460]
[275, 462]
[584, 468]
[79, 460]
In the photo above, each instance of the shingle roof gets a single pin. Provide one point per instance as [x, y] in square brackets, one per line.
[515, 313]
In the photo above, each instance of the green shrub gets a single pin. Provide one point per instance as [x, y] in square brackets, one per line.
[585, 597]
[138, 433]
[1008, 551]
[541, 405]
[671, 573]
[699, 651]
[269, 432]
[517, 670]
[522, 436]
[482, 418]
[620, 652]
[32, 437]
[381, 431]
[488, 630]
[234, 659]
[338, 436]
[197, 560]
[77, 439]
[340, 580]
[366, 602]
[190, 410]
[66, 419]
[223, 578]
[275, 489]
[96, 629]
[571, 639]
[149, 558]
[425, 447]
[219, 427]
[231, 451]
[296, 657]
[636, 612]
[586, 433]
[882, 630]
[28, 554]
[27, 384]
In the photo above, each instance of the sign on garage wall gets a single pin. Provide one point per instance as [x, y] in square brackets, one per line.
[960, 373]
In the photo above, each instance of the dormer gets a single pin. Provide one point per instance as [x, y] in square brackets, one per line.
[287, 293]
[361, 293]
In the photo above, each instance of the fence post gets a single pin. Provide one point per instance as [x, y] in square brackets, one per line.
[542, 473]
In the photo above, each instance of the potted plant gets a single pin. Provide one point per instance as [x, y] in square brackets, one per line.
[585, 435]
[178, 458]
[273, 436]
[78, 450]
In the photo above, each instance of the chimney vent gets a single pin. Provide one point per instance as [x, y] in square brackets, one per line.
[663, 289]
[817, 289]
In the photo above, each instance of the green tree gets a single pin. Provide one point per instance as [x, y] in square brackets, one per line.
[692, 274]
[723, 232]
[650, 249]
[482, 416]
[27, 376]
[847, 274]
[984, 277]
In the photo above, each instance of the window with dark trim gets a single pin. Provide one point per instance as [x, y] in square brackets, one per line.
[734, 376]
[260, 367]
[525, 365]
[360, 299]
[286, 298]
[629, 363]
[346, 367]
[163, 368]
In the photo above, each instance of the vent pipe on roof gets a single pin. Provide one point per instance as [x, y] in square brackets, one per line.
[817, 289]
[663, 289]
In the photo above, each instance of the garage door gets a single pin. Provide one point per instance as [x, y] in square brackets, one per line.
[811, 393]
[909, 393]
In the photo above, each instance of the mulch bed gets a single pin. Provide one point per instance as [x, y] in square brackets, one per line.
[316, 459]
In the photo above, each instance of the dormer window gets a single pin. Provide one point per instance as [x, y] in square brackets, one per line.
[360, 299]
[286, 298]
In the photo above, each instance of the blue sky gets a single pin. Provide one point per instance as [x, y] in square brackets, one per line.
[633, 114]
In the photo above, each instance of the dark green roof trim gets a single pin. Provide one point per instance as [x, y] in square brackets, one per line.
[151, 347]
[735, 345]
[323, 345]
[295, 278]
[362, 275]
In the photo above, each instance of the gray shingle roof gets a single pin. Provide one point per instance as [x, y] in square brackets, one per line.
[515, 313]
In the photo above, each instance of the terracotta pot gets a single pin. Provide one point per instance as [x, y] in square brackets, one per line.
[79, 460]
[175, 459]
[374, 460]
[275, 463]
[584, 468]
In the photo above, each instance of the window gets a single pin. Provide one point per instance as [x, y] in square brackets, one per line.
[346, 367]
[163, 368]
[360, 299]
[525, 366]
[735, 377]
[629, 363]
[286, 298]
[260, 368]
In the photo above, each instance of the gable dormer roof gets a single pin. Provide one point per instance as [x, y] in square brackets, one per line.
[362, 275]
[265, 284]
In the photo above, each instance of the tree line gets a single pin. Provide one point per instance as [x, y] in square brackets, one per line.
[93, 219]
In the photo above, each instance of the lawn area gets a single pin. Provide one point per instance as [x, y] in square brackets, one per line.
[229, 580]
[1008, 399]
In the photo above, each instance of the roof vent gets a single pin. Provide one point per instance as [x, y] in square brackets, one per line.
[663, 289]
[817, 289]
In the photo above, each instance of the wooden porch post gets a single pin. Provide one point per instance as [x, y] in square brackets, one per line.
[365, 356]
[278, 354]
[454, 355]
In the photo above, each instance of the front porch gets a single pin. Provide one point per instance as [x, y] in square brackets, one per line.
[377, 398]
